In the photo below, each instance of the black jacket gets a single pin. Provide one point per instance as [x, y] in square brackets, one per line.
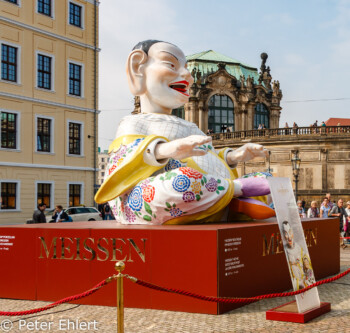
[64, 216]
[39, 217]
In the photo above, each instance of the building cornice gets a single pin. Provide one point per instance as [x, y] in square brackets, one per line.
[47, 33]
[46, 166]
[93, 2]
[42, 101]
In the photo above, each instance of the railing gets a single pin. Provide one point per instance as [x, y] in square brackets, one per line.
[282, 132]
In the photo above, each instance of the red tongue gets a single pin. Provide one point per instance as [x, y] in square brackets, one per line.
[180, 89]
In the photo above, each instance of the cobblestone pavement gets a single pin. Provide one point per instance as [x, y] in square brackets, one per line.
[250, 318]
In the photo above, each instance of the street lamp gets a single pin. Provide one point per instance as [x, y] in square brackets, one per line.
[296, 169]
[269, 169]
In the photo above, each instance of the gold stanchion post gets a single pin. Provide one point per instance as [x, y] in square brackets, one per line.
[119, 266]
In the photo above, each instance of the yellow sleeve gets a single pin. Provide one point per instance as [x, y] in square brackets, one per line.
[221, 154]
[128, 169]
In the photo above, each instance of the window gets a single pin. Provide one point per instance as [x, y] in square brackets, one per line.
[44, 7]
[74, 194]
[8, 130]
[74, 139]
[43, 135]
[261, 116]
[75, 15]
[9, 195]
[8, 63]
[13, 1]
[74, 79]
[179, 112]
[44, 72]
[44, 194]
[221, 114]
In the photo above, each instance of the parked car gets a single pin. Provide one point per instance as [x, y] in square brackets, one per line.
[48, 213]
[84, 213]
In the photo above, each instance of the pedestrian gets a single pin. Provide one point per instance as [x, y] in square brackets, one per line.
[347, 209]
[340, 212]
[286, 131]
[325, 208]
[323, 124]
[60, 215]
[330, 203]
[101, 210]
[301, 209]
[39, 216]
[313, 211]
[108, 212]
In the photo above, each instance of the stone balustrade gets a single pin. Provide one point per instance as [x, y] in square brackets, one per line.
[276, 133]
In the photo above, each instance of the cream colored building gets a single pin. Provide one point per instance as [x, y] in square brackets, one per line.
[48, 104]
[102, 165]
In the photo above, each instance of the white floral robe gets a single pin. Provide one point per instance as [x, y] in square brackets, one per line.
[142, 190]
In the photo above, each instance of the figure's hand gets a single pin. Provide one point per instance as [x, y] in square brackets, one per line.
[182, 148]
[246, 153]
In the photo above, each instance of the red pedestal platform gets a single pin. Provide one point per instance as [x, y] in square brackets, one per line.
[289, 312]
[51, 261]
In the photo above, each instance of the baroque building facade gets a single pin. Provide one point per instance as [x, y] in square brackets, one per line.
[48, 105]
[324, 153]
[228, 95]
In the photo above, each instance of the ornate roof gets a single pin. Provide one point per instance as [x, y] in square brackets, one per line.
[207, 62]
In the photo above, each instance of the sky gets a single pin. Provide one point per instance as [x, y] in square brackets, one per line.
[308, 44]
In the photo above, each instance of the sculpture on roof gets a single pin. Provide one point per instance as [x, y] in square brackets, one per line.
[242, 80]
[250, 82]
[275, 88]
[164, 170]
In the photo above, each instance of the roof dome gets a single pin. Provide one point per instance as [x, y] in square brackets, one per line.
[206, 62]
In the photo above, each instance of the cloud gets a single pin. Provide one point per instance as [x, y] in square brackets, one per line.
[279, 18]
[308, 47]
[294, 59]
[122, 25]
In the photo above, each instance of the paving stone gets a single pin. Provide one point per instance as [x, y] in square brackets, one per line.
[250, 318]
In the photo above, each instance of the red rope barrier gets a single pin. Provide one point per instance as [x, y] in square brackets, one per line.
[175, 291]
[52, 305]
[240, 300]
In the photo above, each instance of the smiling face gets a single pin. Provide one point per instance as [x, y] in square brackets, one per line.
[167, 79]
[306, 263]
[288, 235]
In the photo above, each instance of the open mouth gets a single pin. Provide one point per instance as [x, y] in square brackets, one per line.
[180, 86]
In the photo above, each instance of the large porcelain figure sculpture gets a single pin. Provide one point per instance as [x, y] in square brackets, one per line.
[163, 169]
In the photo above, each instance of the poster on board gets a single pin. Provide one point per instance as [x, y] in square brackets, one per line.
[295, 248]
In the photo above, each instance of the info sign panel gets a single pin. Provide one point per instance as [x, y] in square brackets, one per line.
[295, 248]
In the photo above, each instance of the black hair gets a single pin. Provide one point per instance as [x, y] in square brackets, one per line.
[41, 204]
[146, 45]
